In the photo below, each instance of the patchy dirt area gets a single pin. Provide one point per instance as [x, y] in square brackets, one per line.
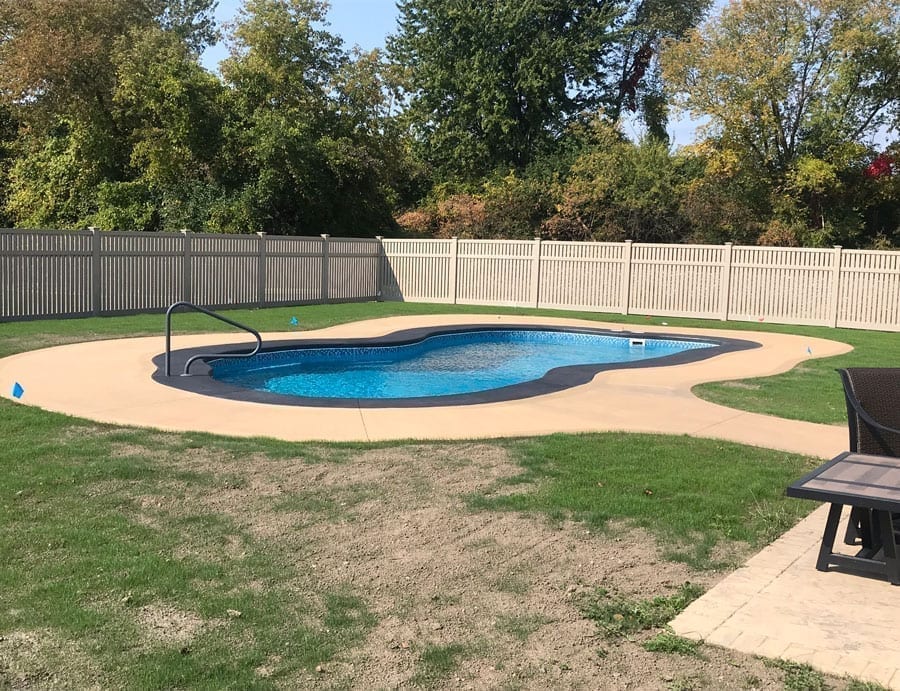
[461, 599]
[41, 659]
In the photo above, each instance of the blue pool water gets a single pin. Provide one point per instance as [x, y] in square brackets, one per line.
[440, 365]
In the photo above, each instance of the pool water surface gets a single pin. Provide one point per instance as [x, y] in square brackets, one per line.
[440, 365]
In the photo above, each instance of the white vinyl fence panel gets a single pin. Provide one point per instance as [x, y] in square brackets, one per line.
[869, 295]
[497, 272]
[785, 285]
[584, 276]
[833, 287]
[678, 280]
[419, 270]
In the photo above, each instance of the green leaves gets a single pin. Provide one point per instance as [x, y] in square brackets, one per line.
[492, 84]
[780, 80]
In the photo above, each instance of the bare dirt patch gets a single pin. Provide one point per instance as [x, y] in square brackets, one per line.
[739, 385]
[463, 599]
[31, 659]
[166, 624]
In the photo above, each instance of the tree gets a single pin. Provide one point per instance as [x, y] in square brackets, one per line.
[54, 178]
[493, 83]
[8, 134]
[170, 108]
[60, 76]
[618, 190]
[300, 148]
[781, 79]
[56, 55]
[637, 84]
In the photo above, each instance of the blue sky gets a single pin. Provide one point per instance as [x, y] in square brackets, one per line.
[367, 23]
[359, 22]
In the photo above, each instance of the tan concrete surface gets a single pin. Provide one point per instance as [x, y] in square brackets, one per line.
[777, 605]
[109, 381]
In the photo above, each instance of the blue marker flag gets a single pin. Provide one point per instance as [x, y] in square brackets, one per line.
[294, 321]
[808, 350]
[17, 390]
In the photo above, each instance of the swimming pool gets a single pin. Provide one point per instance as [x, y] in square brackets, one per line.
[447, 366]
[441, 365]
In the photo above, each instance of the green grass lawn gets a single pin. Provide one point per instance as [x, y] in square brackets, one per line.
[107, 530]
[104, 530]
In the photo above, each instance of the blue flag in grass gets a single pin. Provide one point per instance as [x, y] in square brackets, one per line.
[17, 390]
[294, 321]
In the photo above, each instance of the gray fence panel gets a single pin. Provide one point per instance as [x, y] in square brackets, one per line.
[140, 272]
[46, 273]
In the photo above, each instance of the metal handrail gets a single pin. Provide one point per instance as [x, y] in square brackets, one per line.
[214, 315]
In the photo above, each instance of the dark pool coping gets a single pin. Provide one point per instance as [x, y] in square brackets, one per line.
[557, 379]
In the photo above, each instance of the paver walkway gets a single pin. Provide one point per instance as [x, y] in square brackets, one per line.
[777, 605]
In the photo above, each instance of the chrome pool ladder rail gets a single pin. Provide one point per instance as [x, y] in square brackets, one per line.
[200, 356]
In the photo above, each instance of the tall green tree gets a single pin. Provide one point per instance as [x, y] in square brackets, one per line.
[170, 110]
[801, 90]
[301, 154]
[781, 79]
[637, 85]
[9, 130]
[493, 83]
[59, 74]
[56, 56]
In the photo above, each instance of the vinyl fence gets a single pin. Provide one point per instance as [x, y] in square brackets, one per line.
[58, 273]
[83, 273]
[829, 287]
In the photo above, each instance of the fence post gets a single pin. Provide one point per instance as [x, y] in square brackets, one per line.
[380, 271]
[454, 266]
[725, 283]
[536, 273]
[186, 262]
[96, 275]
[834, 298]
[625, 294]
[261, 272]
[325, 279]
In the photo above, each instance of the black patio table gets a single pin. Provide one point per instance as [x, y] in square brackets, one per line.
[863, 481]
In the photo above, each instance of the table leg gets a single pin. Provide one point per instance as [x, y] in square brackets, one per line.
[889, 544]
[831, 528]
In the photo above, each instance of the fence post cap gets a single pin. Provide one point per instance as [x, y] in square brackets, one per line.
[93, 229]
[184, 231]
[838, 247]
[261, 233]
[729, 243]
[324, 235]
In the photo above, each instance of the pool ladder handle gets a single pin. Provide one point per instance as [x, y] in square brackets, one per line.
[200, 356]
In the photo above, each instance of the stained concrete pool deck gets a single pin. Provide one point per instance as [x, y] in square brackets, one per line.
[776, 605]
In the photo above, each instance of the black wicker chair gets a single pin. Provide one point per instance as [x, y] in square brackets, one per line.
[873, 415]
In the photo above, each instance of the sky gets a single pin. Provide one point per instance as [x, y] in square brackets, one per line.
[367, 23]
